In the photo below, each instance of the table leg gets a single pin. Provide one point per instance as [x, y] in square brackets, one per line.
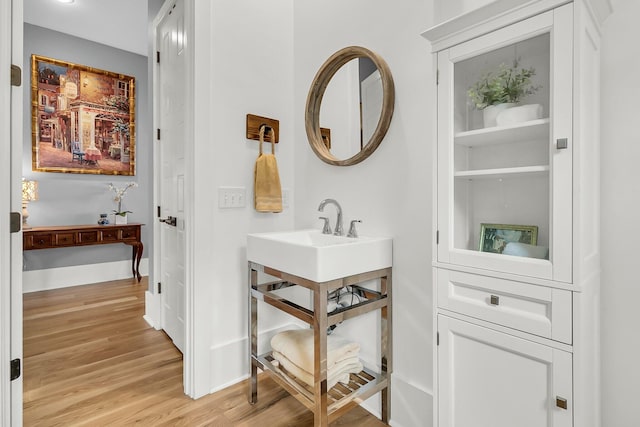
[138, 258]
[136, 255]
[134, 250]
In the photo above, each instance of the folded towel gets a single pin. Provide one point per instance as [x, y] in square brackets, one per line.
[338, 373]
[297, 346]
[267, 190]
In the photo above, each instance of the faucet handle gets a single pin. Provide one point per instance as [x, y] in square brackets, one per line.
[352, 228]
[326, 228]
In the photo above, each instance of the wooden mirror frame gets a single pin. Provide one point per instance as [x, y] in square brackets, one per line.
[314, 101]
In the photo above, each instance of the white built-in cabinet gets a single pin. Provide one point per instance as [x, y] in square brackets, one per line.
[516, 334]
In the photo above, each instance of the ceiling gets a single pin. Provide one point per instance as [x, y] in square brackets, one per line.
[118, 23]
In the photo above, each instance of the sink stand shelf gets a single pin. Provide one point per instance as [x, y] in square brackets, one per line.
[326, 405]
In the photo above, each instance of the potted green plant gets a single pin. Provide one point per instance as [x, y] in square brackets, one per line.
[499, 89]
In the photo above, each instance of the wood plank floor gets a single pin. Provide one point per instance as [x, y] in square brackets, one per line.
[91, 360]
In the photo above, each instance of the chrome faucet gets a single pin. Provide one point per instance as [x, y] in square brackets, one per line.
[326, 228]
[338, 231]
[352, 229]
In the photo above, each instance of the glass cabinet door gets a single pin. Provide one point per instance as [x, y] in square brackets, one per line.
[504, 171]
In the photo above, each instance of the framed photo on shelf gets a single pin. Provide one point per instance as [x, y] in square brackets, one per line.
[82, 119]
[494, 237]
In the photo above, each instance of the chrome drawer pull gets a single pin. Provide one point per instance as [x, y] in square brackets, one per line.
[495, 300]
[561, 402]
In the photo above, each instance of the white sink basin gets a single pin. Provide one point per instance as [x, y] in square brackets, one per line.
[319, 257]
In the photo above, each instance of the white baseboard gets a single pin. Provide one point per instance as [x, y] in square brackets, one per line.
[64, 277]
[152, 310]
[230, 361]
[411, 405]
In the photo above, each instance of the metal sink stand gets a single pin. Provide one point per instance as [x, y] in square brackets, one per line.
[326, 405]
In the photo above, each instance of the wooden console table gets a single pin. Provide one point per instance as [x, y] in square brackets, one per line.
[64, 236]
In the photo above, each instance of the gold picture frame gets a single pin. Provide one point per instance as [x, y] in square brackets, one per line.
[494, 237]
[82, 119]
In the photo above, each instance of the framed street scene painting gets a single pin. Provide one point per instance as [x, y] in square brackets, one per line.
[82, 119]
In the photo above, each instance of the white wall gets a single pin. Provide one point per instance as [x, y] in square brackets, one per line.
[243, 65]
[620, 212]
[443, 10]
[116, 23]
[391, 191]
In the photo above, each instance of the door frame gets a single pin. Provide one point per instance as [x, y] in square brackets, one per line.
[194, 385]
[11, 37]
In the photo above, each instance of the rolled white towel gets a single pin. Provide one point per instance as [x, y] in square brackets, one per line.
[297, 346]
[338, 373]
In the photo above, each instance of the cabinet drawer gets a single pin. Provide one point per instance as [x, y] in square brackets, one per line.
[88, 237]
[129, 234]
[110, 235]
[42, 241]
[538, 310]
[65, 239]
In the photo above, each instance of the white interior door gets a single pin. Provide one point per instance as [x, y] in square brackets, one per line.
[170, 101]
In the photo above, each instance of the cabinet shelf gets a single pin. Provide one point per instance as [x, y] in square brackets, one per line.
[527, 131]
[503, 172]
[340, 399]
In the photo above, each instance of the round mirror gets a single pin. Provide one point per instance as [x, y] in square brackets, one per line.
[349, 107]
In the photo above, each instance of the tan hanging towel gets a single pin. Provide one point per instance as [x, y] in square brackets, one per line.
[267, 192]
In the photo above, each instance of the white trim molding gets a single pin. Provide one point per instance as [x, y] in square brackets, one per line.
[5, 205]
[235, 355]
[64, 277]
[152, 307]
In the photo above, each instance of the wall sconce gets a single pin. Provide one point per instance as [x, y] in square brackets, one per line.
[29, 194]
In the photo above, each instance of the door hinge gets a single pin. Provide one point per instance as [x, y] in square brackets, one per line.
[158, 134]
[437, 237]
[16, 75]
[159, 211]
[159, 288]
[437, 77]
[158, 56]
[437, 338]
[15, 369]
[15, 222]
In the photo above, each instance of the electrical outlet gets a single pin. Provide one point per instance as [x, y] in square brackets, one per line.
[231, 197]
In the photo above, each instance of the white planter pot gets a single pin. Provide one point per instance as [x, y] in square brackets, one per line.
[119, 219]
[519, 114]
[490, 113]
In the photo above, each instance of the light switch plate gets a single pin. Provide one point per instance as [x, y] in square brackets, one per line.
[231, 197]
